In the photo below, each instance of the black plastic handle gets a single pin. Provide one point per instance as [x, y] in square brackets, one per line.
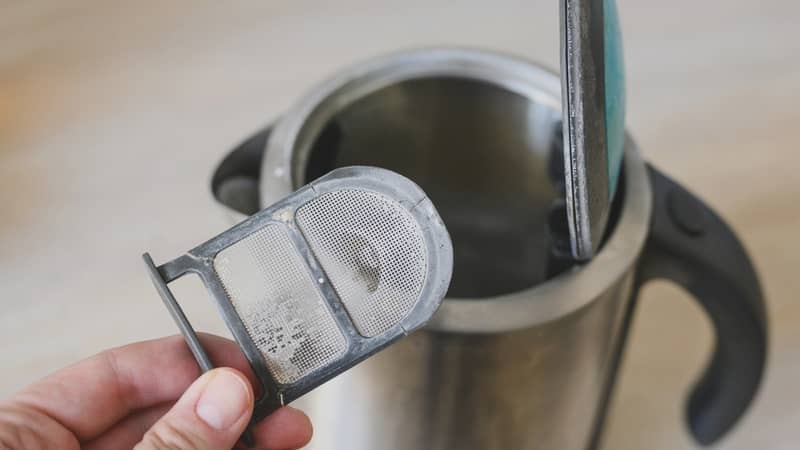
[691, 246]
[235, 180]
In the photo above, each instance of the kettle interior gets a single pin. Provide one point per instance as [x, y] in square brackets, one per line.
[489, 158]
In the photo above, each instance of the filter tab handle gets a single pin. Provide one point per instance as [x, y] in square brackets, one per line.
[177, 315]
[160, 282]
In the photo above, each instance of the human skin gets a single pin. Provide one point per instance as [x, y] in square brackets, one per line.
[147, 396]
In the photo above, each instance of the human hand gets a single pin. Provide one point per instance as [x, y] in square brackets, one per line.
[137, 396]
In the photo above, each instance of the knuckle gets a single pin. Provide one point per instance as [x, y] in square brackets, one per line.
[21, 429]
[19, 438]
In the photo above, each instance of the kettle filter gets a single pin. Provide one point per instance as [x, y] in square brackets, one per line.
[322, 279]
[285, 315]
[376, 262]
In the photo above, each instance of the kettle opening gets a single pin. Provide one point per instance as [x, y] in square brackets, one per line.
[479, 132]
[489, 158]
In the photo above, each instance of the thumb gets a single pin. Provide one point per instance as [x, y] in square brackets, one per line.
[211, 415]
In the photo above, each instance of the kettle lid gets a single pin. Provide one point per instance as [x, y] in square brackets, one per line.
[593, 95]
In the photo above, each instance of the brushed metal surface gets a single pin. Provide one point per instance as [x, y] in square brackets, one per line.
[536, 388]
[512, 359]
[476, 130]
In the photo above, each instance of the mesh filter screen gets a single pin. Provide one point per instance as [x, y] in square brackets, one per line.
[282, 309]
[372, 250]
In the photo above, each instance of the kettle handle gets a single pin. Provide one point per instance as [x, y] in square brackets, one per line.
[234, 183]
[690, 245]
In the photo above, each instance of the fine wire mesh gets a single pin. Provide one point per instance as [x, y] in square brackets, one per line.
[373, 251]
[283, 311]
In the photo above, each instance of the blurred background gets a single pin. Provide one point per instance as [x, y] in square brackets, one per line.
[114, 114]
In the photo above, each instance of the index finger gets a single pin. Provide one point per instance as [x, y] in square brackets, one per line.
[94, 394]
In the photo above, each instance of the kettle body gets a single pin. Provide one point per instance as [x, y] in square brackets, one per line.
[524, 351]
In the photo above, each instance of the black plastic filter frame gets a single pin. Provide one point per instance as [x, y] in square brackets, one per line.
[200, 261]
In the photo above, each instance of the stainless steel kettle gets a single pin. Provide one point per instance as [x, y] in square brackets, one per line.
[523, 353]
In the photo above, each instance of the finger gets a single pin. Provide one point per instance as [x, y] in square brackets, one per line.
[91, 396]
[286, 428]
[129, 431]
[22, 427]
[211, 415]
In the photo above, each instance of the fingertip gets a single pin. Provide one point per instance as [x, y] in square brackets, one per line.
[305, 429]
[226, 398]
[212, 413]
[285, 428]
